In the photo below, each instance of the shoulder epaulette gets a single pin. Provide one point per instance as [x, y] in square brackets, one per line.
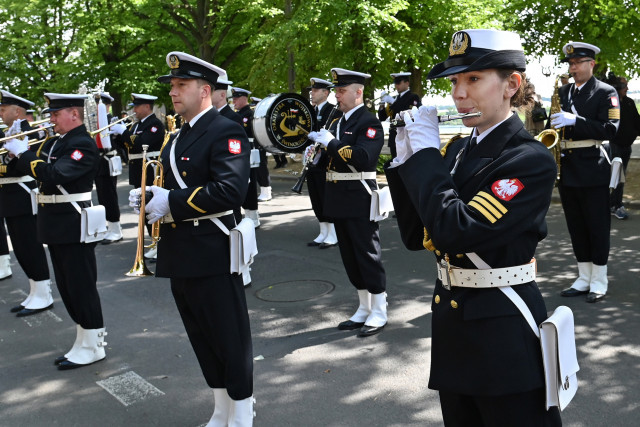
[443, 150]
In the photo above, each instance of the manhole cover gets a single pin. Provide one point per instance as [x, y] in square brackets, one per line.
[296, 290]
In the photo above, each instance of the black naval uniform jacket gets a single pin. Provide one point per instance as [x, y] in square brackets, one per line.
[495, 206]
[402, 103]
[73, 164]
[359, 145]
[213, 160]
[148, 132]
[247, 122]
[598, 118]
[14, 199]
[228, 112]
[326, 112]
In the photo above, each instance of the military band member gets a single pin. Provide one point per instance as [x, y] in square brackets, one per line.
[206, 173]
[106, 185]
[590, 114]
[65, 168]
[323, 111]
[480, 205]
[17, 209]
[30, 115]
[147, 130]
[352, 158]
[390, 105]
[262, 177]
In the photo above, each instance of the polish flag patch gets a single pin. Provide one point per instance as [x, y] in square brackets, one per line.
[506, 189]
[154, 129]
[371, 133]
[245, 119]
[77, 155]
[614, 101]
[234, 146]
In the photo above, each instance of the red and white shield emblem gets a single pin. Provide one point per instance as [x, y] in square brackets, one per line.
[154, 129]
[371, 133]
[614, 101]
[234, 146]
[77, 155]
[506, 189]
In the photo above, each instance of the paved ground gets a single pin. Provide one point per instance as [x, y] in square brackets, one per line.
[307, 373]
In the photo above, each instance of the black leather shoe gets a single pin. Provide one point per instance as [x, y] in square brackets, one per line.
[324, 245]
[17, 308]
[367, 331]
[31, 311]
[58, 360]
[571, 292]
[313, 243]
[349, 325]
[66, 365]
[594, 297]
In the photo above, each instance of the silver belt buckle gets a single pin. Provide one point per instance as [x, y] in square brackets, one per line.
[446, 281]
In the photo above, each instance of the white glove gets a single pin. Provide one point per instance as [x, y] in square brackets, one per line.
[118, 128]
[323, 137]
[562, 119]
[17, 146]
[313, 136]
[422, 130]
[403, 147]
[135, 199]
[388, 99]
[159, 204]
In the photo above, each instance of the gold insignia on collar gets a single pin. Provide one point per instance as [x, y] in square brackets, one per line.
[569, 49]
[334, 76]
[174, 62]
[459, 43]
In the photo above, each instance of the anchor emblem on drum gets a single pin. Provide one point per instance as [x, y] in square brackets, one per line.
[292, 123]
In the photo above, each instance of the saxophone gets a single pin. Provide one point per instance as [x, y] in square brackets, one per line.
[550, 137]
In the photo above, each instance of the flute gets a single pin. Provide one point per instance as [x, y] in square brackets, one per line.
[441, 119]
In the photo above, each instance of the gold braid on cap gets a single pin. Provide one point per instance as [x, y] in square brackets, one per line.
[426, 241]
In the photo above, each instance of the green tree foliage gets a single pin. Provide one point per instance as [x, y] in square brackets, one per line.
[612, 25]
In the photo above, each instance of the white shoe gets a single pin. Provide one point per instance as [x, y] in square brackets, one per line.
[152, 253]
[114, 233]
[583, 281]
[265, 194]
[378, 316]
[241, 412]
[364, 309]
[220, 416]
[90, 349]
[41, 295]
[323, 235]
[599, 282]
[31, 291]
[5, 268]
[254, 216]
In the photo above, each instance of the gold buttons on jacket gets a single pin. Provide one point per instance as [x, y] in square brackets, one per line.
[437, 299]
[438, 252]
[454, 304]
[184, 173]
[173, 225]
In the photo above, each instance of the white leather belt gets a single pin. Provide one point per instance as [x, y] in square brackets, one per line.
[16, 179]
[491, 278]
[583, 143]
[64, 198]
[140, 155]
[169, 218]
[350, 176]
[251, 139]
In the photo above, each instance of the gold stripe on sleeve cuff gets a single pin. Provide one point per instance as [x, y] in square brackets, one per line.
[190, 203]
[493, 201]
[483, 211]
[33, 166]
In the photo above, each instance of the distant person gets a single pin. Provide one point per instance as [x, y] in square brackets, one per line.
[621, 144]
[536, 117]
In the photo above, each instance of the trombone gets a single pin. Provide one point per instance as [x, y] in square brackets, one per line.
[38, 142]
[139, 268]
[102, 129]
[23, 134]
[39, 122]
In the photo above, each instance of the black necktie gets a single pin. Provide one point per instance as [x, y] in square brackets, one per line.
[472, 143]
[184, 130]
[316, 110]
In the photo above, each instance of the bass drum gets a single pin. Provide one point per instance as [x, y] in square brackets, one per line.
[282, 122]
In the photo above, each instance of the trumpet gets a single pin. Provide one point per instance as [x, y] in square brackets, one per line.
[23, 134]
[369, 103]
[398, 123]
[102, 129]
[139, 268]
[39, 122]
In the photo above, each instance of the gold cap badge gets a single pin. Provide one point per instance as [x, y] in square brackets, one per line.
[174, 62]
[569, 49]
[459, 43]
[334, 76]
